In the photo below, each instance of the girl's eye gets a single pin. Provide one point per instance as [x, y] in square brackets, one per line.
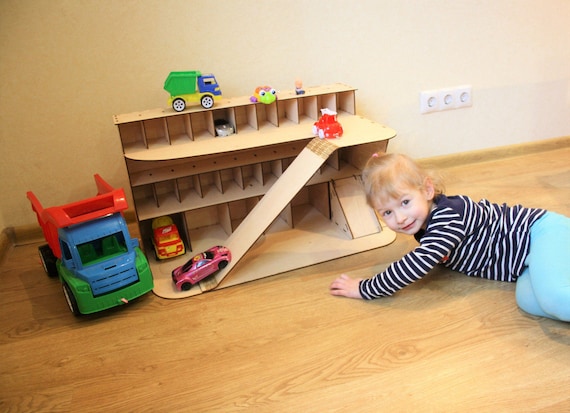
[386, 213]
[405, 202]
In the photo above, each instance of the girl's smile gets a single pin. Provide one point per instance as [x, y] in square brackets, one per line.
[409, 212]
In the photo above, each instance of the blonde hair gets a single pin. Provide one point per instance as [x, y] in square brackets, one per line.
[387, 176]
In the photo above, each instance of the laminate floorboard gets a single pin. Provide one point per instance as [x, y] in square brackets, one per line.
[448, 343]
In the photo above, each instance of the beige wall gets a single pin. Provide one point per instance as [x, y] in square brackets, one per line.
[66, 66]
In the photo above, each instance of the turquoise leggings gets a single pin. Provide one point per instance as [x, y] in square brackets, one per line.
[543, 289]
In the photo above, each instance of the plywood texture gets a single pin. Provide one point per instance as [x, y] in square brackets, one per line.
[178, 167]
[278, 253]
[449, 343]
[273, 202]
[350, 203]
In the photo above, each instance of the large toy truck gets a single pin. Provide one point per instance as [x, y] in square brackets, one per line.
[191, 86]
[89, 247]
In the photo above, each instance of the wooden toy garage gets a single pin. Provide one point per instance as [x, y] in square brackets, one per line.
[277, 197]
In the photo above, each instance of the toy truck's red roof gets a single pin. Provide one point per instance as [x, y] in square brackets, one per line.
[107, 201]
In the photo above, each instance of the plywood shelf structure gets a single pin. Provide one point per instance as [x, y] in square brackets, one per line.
[278, 197]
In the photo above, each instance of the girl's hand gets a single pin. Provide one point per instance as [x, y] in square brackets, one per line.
[346, 287]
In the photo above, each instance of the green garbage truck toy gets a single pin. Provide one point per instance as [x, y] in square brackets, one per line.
[191, 86]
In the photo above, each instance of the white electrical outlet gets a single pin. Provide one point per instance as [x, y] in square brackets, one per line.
[429, 101]
[464, 98]
[446, 99]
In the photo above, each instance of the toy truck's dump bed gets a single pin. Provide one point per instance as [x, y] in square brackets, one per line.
[107, 201]
[181, 83]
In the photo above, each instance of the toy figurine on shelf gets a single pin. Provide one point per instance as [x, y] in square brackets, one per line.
[191, 86]
[264, 94]
[327, 126]
[299, 87]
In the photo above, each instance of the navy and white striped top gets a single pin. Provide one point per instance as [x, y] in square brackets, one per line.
[478, 239]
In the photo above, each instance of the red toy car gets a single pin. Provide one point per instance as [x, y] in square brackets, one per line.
[201, 266]
[327, 126]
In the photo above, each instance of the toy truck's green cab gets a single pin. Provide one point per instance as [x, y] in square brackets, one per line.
[191, 86]
[89, 247]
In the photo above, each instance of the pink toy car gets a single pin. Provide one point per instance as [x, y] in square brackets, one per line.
[327, 126]
[200, 266]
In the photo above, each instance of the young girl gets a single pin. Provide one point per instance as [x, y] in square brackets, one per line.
[527, 245]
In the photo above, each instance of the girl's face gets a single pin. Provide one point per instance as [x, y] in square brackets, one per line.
[408, 213]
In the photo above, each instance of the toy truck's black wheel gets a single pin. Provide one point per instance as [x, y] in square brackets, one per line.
[178, 104]
[207, 102]
[70, 298]
[222, 264]
[186, 286]
[48, 260]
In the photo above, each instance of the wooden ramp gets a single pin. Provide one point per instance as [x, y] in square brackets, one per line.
[305, 165]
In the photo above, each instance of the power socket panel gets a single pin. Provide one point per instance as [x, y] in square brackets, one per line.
[446, 99]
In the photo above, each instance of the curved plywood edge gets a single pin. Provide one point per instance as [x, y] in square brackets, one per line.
[248, 233]
[357, 131]
[311, 158]
[280, 252]
[283, 252]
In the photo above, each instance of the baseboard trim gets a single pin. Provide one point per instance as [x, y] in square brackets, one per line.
[500, 152]
[6, 242]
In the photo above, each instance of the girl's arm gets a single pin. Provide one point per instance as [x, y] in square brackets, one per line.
[395, 277]
[445, 232]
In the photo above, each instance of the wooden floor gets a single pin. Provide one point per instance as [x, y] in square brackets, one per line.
[448, 343]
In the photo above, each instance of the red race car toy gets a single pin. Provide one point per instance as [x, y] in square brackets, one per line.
[200, 266]
[327, 126]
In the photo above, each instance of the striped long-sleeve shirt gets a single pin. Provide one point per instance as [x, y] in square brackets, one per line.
[478, 239]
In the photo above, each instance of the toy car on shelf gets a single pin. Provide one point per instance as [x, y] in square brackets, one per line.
[327, 126]
[166, 239]
[223, 127]
[200, 266]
